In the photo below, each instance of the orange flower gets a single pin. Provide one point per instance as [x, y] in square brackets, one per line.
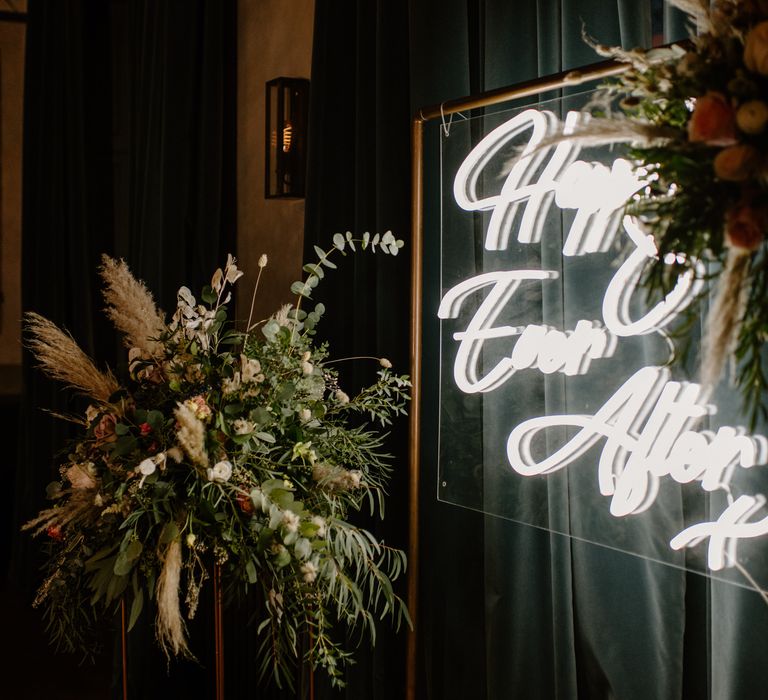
[736, 163]
[713, 121]
[245, 503]
[752, 116]
[745, 226]
[756, 49]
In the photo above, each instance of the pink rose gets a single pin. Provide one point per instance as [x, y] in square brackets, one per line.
[737, 163]
[756, 49]
[745, 226]
[105, 430]
[713, 121]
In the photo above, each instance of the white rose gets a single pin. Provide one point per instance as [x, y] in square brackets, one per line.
[221, 471]
[305, 415]
[147, 467]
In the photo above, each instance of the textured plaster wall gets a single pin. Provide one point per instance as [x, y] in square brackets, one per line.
[274, 39]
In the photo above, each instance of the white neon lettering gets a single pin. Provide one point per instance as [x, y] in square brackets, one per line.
[596, 192]
[551, 350]
[647, 425]
[542, 124]
[725, 532]
[622, 286]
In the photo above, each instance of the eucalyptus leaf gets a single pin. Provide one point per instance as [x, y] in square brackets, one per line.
[338, 241]
[208, 295]
[136, 607]
[169, 533]
[250, 570]
[329, 264]
[123, 565]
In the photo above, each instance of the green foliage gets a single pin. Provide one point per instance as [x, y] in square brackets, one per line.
[241, 447]
[703, 205]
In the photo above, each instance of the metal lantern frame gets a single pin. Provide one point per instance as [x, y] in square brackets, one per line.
[287, 108]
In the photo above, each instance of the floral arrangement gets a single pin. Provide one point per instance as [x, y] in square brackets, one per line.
[696, 116]
[224, 447]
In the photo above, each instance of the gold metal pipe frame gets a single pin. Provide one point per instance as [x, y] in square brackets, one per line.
[529, 88]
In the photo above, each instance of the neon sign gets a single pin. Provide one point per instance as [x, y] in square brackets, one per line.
[650, 429]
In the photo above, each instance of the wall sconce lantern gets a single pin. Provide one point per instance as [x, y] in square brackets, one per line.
[286, 147]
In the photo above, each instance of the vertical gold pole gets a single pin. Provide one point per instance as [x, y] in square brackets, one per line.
[417, 174]
[124, 645]
[218, 631]
[492, 97]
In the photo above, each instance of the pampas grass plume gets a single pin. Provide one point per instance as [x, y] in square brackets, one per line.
[62, 359]
[191, 435]
[170, 629]
[724, 318]
[131, 307]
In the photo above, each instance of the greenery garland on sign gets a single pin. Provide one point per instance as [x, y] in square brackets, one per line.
[227, 446]
[696, 118]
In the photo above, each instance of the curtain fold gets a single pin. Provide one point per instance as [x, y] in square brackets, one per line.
[357, 180]
[128, 150]
[542, 616]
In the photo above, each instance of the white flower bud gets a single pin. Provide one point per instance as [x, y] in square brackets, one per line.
[308, 571]
[263, 260]
[385, 363]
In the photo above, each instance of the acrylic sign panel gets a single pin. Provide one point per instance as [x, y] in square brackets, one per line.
[559, 406]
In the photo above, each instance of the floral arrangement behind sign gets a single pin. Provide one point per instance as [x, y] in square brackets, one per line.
[234, 447]
[696, 118]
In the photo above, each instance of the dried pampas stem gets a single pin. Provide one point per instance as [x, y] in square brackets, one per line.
[697, 10]
[78, 509]
[170, 630]
[602, 132]
[131, 307]
[61, 358]
[725, 316]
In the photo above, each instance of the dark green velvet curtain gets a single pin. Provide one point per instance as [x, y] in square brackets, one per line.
[506, 611]
[357, 181]
[128, 150]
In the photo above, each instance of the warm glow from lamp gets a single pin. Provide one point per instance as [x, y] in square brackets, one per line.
[287, 137]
